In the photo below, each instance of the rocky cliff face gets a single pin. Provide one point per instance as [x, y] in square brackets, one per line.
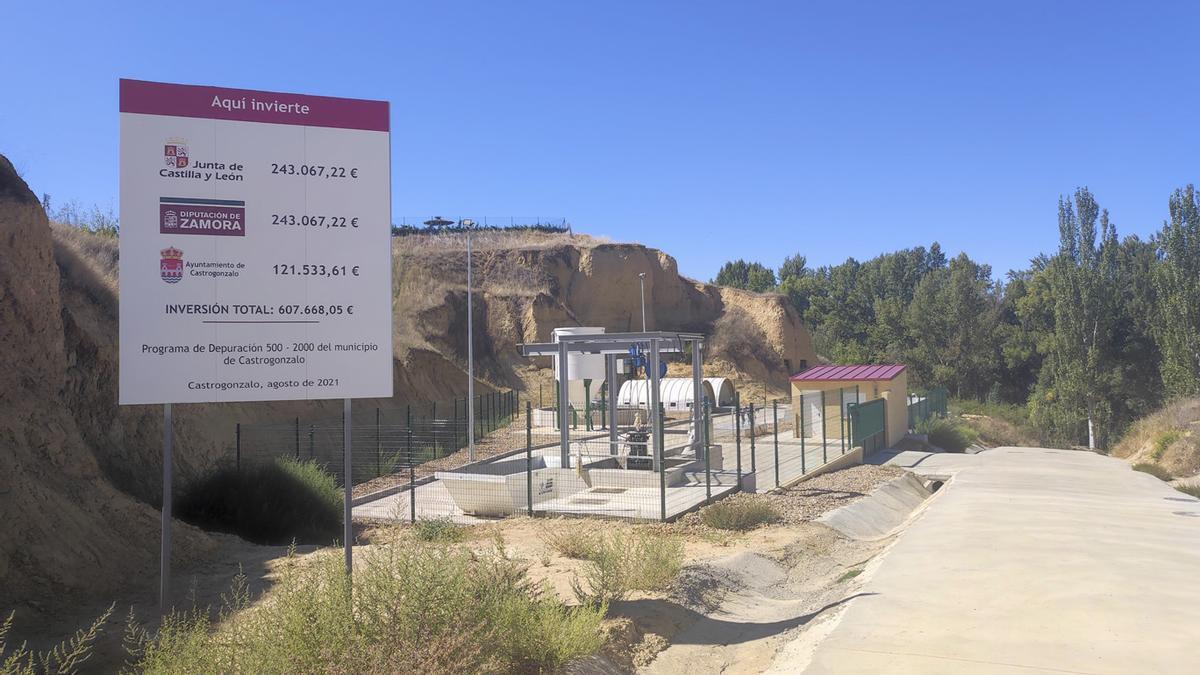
[531, 287]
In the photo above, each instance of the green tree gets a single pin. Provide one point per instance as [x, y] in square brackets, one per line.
[1079, 373]
[1177, 282]
[750, 276]
[952, 323]
[794, 266]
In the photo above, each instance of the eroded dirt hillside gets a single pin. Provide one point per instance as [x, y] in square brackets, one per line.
[65, 531]
[532, 284]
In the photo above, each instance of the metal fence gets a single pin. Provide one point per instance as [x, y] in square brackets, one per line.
[868, 422]
[922, 406]
[385, 440]
[611, 470]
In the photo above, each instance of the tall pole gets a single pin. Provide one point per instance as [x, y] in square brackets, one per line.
[610, 374]
[564, 404]
[470, 357]
[655, 417]
[164, 574]
[642, 283]
[697, 396]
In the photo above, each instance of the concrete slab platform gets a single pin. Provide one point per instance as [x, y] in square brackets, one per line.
[434, 501]
[1029, 561]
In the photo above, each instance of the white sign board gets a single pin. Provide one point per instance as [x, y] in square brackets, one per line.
[255, 246]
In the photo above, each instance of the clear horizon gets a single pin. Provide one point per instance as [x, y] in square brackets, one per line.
[833, 132]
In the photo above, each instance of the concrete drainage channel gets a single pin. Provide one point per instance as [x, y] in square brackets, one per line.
[885, 509]
[764, 609]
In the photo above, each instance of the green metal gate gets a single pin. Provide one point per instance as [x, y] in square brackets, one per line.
[868, 424]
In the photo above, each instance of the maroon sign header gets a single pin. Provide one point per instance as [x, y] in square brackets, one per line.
[246, 105]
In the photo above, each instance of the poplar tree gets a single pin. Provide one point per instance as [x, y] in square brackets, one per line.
[1079, 373]
[1177, 283]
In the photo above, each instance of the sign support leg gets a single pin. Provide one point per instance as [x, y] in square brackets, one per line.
[164, 555]
[347, 481]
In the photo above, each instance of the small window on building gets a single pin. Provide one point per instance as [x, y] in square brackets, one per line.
[803, 365]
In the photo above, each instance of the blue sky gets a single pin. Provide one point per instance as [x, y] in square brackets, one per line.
[712, 130]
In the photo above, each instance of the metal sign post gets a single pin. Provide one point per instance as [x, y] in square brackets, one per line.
[164, 555]
[347, 482]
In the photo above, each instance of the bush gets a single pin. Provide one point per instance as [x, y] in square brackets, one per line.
[1190, 490]
[416, 607]
[439, 529]
[275, 503]
[739, 514]
[572, 538]
[948, 433]
[636, 561]
[65, 657]
[1154, 470]
[1163, 441]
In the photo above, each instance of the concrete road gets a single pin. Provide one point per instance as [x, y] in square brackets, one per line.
[1027, 561]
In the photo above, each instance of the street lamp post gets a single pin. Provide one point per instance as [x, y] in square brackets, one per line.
[439, 222]
[642, 283]
[468, 223]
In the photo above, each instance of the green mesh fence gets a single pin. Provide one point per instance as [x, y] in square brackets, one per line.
[867, 424]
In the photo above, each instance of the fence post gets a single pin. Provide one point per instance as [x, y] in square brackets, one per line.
[297, 439]
[662, 462]
[412, 481]
[753, 460]
[803, 451]
[824, 442]
[378, 447]
[842, 415]
[737, 434]
[433, 423]
[603, 405]
[237, 435]
[312, 441]
[529, 457]
[707, 467]
[885, 438]
[775, 416]
[454, 427]
[851, 409]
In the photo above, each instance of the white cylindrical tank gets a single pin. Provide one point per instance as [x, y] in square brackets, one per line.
[675, 393]
[581, 366]
[722, 390]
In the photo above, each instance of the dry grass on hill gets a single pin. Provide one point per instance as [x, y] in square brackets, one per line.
[490, 240]
[1169, 438]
